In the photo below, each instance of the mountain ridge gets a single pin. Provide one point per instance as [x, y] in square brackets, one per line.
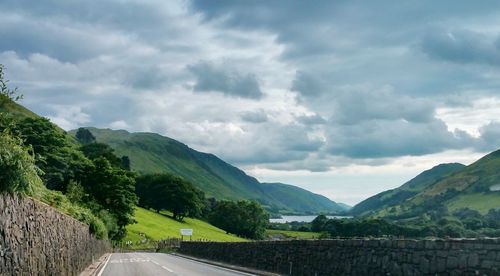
[154, 153]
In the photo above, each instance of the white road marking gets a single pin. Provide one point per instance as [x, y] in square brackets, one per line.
[105, 264]
[167, 269]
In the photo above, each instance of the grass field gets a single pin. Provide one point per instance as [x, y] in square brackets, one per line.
[159, 226]
[480, 202]
[293, 234]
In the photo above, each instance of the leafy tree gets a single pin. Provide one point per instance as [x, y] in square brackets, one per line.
[125, 163]
[84, 136]
[54, 155]
[171, 193]
[244, 218]
[114, 190]
[97, 150]
[318, 224]
[18, 172]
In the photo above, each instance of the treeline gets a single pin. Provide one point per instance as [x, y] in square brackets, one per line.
[167, 192]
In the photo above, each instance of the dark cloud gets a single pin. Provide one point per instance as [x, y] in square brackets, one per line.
[210, 78]
[461, 46]
[490, 137]
[381, 138]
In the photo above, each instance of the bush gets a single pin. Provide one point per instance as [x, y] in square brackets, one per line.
[18, 171]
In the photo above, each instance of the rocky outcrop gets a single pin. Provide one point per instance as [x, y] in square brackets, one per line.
[357, 256]
[36, 239]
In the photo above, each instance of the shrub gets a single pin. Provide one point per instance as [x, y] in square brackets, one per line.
[19, 173]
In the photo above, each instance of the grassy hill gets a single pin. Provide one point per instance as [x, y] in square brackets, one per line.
[411, 188]
[471, 187]
[300, 199]
[153, 153]
[157, 226]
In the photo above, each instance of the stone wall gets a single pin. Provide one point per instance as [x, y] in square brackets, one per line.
[357, 257]
[36, 239]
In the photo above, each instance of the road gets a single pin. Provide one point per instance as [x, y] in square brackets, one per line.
[142, 264]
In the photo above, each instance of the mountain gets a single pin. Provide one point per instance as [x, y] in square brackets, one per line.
[300, 199]
[448, 188]
[153, 153]
[411, 188]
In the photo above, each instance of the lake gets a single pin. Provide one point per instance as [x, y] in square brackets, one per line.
[285, 219]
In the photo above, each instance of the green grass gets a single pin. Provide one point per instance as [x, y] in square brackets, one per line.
[158, 227]
[479, 202]
[293, 234]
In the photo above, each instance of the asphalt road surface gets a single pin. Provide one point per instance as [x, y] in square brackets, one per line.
[145, 264]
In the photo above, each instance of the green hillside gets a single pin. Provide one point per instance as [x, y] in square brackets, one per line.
[11, 107]
[472, 187]
[300, 199]
[396, 196]
[153, 153]
[155, 226]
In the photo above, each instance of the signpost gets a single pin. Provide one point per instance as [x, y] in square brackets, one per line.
[186, 232]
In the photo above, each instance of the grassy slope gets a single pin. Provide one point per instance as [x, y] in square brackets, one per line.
[159, 226]
[152, 153]
[396, 196]
[470, 187]
[298, 198]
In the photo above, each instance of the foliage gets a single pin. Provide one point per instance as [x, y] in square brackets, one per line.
[243, 218]
[113, 189]
[54, 155]
[18, 170]
[96, 150]
[84, 136]
[318, 224]
[169, 192]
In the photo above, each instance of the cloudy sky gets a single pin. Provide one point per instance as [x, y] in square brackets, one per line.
[345, 98]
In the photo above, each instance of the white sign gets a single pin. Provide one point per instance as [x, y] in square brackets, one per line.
[187, 232]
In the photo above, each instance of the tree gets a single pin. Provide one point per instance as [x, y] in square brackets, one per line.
[244, 218]
[18, 170]
[54, 155]
[171, 193]
[84, 136]
[97, 150]
[318, 224]
[125, 163]
[114, 190]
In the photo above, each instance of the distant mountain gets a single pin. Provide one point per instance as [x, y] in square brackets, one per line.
[411, 188]
[300, 199]
[440, 191]
[153, 153]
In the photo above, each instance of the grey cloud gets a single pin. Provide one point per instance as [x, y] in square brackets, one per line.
[210, 77]
[381, 138]
[461, 46]
[490, 137]
[258, 116]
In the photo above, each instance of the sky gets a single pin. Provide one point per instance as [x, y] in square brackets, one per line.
[343, 98]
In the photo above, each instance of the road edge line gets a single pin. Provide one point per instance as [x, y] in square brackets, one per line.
[104, 266]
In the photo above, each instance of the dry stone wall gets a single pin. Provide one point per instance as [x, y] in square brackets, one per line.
[36, 239]
[357, 256]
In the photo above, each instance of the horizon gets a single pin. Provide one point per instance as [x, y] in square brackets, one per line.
[344, 99]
